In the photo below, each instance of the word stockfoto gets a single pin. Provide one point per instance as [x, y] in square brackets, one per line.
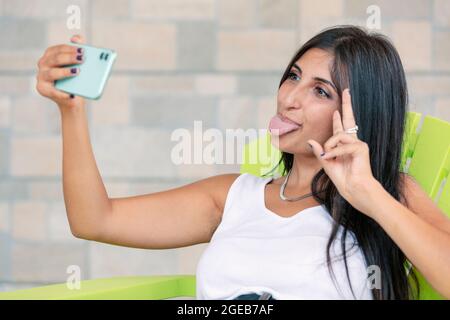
[190, 148]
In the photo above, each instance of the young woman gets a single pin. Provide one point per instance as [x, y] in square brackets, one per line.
[342, 213]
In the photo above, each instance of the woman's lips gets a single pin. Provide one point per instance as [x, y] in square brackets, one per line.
[279, 125]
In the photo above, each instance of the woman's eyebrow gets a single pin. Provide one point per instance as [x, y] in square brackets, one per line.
[317, 78]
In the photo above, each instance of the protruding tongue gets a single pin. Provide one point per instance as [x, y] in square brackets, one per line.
[278, 127]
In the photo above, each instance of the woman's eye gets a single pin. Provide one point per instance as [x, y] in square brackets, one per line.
[292, 74]
[322, 92]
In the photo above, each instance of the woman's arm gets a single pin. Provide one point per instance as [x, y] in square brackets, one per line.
[425, 245]
[172, 218]
[85, 196]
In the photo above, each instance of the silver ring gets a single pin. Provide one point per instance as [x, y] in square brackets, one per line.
[352, 130]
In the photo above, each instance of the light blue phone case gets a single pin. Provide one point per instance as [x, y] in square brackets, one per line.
[93, 74]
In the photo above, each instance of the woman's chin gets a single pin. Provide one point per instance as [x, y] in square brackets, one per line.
[288, 142]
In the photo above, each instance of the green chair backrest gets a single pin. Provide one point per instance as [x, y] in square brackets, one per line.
[409, 137]
[425, 156]
[430, 166]
[259, 157]
[430, 158]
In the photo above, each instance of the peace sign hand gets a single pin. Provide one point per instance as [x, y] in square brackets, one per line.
[346, 160]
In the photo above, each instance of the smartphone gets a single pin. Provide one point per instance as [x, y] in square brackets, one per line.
[93, 73]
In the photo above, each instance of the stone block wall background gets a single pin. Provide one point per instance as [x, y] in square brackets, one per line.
[218, 61]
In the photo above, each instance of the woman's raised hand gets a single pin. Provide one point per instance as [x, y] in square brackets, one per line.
[51, 66]
[345, 158]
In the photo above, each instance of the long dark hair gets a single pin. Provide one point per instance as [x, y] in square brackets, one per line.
[370, 66]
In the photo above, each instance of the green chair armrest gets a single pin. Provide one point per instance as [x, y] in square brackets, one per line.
[120, 288]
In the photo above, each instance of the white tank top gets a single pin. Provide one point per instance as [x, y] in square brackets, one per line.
[254, 250]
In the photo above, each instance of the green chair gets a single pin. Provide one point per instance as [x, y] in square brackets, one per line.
[425, 156]
[430, 165]
[117, 288]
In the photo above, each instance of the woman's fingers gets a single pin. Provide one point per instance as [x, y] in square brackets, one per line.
[337, 122]
[59, 95]
[59, 59]
[58, 73]
[337, 140]
[48, 90]
[62, 48]
[345, 149]
[348, 118]
[62, 54]
[63, 59]
[54, 65]
[77, 39]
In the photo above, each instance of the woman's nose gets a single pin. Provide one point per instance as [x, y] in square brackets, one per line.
[295, 98]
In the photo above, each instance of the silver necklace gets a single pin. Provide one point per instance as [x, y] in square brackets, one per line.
[283, 186]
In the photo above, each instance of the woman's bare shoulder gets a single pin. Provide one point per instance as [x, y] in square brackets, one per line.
[220, 185]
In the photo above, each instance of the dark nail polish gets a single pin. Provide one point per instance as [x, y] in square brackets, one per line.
[79, 57]
[73, 70]
[322, 154]
[72, 96]
[80, 50]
